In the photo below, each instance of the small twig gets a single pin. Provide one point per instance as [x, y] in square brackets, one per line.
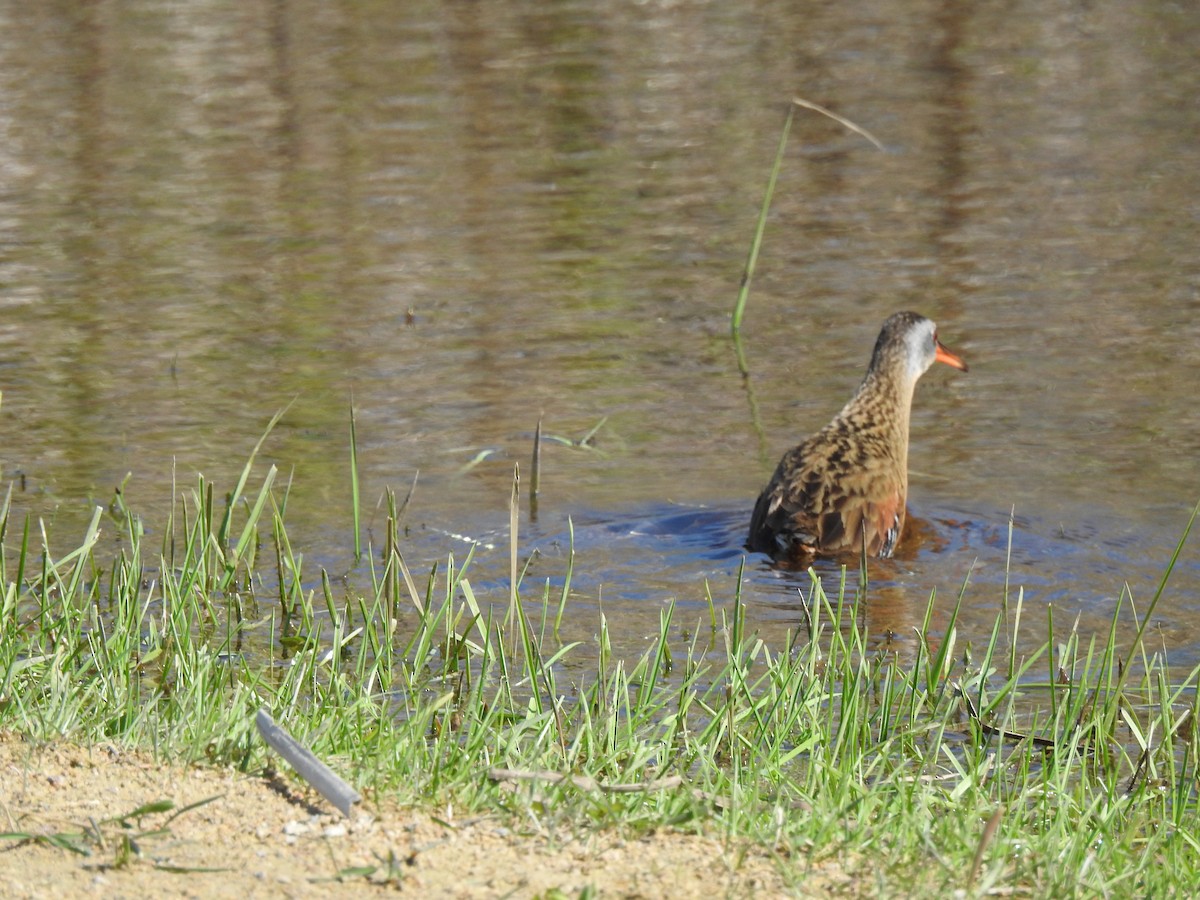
[808, 104]
[1138, 771]
[1045, 743]
[306, 764]
[583, 782]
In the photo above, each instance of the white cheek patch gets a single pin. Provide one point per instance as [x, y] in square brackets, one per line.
[921, 351]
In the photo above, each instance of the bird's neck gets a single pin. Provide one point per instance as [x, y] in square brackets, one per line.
[881, 408]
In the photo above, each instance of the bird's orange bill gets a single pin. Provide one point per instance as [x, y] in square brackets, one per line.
[950, 359]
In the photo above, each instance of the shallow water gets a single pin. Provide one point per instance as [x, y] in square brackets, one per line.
[460, 219]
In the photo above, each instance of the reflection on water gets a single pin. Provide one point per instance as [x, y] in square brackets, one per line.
[464, 218]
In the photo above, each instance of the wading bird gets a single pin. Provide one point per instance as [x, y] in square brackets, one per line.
[844, 489]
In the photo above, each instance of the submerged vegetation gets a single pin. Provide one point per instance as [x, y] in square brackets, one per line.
[1053, 770]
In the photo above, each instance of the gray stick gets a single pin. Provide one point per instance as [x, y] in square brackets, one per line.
[311, 769]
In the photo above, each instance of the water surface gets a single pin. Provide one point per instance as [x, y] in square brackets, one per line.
[462, 218]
